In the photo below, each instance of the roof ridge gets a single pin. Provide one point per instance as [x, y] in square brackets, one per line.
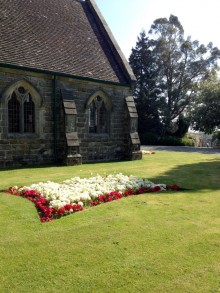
[110, 38]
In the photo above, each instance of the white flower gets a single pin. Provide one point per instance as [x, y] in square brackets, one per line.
[76, 190]
[80, 203]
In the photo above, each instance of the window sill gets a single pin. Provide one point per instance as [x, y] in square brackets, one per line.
[21, 135]
[95, 134]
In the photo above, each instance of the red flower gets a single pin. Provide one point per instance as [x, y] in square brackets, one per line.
[42, 201]
[155, 189]
[77, 207]
[94, 203]
[129, 192]
[30, 193]
[173, 187]
[48, 212]
[142, 190]
[61, 211]
[102, 198]
[68, 207]
[45, 219]
[116, 195]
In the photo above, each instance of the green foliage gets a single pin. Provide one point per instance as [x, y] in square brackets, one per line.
[168, 69]
[168, 241]
[145, 91]
[216, 139]
[187, 141]
[149, 138]
[216, 135]
[182, 124]
[205, 114]
[170, 141]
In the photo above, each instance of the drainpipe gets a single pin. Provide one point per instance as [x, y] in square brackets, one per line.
[55, 118]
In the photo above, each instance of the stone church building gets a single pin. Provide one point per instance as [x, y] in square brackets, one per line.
[65, 86]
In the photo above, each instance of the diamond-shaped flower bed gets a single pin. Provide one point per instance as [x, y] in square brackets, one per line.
[54, 200]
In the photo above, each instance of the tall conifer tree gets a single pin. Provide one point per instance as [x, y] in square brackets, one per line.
[145, 70]
[169, 69]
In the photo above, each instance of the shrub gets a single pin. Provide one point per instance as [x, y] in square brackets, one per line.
[216, 139]
[150, 138]
[187, 141]
[170, 141]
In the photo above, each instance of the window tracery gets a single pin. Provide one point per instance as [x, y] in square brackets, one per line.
[21, 112]
[98, 116]
[22, 103]
[99, 107]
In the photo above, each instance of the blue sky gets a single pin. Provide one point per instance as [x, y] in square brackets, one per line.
[126, 18]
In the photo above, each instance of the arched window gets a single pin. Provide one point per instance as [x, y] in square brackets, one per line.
[21, 112]
[22, 102]
[92, 117]
[98, 116]
[99, 108]
[13, 114]
[29, 115]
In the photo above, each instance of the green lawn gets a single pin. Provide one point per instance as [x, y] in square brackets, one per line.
[164, 242]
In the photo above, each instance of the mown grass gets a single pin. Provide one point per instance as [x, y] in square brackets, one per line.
[164, 242]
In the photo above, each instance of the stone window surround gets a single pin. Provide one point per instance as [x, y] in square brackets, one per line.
[108, 105]
[36, 98]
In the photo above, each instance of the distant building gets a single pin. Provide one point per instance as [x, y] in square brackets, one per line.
[200, 138]
[65, 86]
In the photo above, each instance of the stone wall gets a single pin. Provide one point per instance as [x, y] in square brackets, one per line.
[96, 146]
[49, 143]
[25, 149]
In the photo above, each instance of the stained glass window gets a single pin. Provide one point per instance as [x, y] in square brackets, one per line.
[98, 116]
[21, 112]
[29, 111]
[13, 114]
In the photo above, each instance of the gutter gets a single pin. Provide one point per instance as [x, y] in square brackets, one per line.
[61, 74]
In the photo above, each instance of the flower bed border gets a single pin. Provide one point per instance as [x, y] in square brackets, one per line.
[48, 214]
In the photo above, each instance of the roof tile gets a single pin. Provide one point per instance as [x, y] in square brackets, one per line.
[57, 35]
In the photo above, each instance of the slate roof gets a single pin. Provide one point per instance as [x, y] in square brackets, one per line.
[64, 36]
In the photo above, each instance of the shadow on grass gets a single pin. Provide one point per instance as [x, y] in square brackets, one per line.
[55, 165]
[43, 166]
[195, 176]
[204, 175]
[183, 149]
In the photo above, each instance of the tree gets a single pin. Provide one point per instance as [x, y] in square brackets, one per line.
[205, 114]
[145, 91]
[177, 66]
